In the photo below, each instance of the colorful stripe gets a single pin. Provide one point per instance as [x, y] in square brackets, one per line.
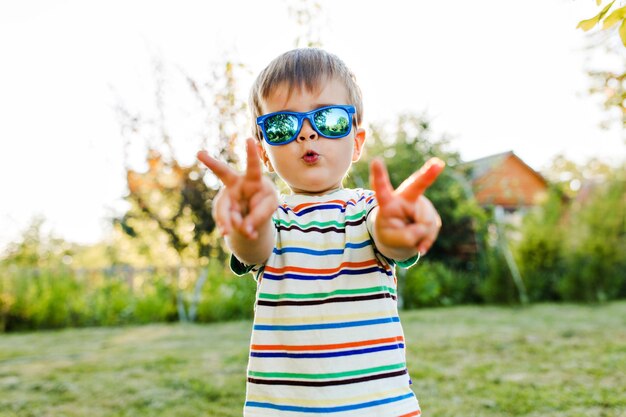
[324, 243]
[299, 348]
[328, 375]
[326, 354]
[358, 217]
[321, 326]
[296, 296]
[315, 252]
[346, 268]
[319, 410]
[328, 383]
[305, 208]
[343, 265]
[328, 277]
[292, 319]
[326, 402]
[413, 414]
[332, 350]
[325, 301]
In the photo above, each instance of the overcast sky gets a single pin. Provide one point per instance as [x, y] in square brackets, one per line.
[494, 75]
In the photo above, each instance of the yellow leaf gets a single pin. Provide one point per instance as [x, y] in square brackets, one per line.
[587, 24]
[590, 23]
[622, 32]
[616, 16]
[598, 2]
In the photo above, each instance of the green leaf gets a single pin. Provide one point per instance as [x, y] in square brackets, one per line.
[613, 18]
[622, 32]
[590, 23]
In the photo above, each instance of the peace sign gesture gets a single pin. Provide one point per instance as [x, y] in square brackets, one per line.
[246, 204]
[406, 222]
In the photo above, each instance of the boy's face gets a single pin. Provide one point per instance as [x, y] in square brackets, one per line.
[311, 164]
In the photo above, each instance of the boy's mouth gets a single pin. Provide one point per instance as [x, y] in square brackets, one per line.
[310, 157]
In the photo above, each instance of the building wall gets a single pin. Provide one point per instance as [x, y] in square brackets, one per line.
[510, 184]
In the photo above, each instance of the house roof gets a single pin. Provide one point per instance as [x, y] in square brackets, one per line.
[481, 166]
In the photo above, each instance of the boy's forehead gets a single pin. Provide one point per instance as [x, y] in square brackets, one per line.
[282, 94]
[285, 95]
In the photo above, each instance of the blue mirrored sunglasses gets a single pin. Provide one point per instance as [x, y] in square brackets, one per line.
[282, 127]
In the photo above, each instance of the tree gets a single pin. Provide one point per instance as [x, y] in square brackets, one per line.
[307, 15]
[616, 17]
[568, 176]
[170, 203]
[37, 248]
[610, 82]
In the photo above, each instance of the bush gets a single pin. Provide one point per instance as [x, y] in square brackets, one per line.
[435, 284]
[498, 286]
[40, 299]
[541, 253]
[156, 301]
[578, 252]
[59, 297]
[598, 246]
[227, 297]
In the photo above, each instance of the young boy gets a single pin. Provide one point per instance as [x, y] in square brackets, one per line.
[326, 337]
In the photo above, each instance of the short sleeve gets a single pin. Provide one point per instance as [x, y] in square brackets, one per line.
[407, 263]
[370, 204]
[239, 268]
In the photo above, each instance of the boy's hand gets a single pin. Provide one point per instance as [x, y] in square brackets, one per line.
[247, 201]
[406, 222]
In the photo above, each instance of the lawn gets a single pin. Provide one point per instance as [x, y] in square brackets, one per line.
[544, 360]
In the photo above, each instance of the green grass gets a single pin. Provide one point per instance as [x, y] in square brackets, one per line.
[545, 360]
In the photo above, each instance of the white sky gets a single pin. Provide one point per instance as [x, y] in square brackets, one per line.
[496, 75]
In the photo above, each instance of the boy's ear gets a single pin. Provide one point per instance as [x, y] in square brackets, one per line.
[263, 156]
[359, 141]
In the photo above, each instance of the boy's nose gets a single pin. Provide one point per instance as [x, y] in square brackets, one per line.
[307, 131]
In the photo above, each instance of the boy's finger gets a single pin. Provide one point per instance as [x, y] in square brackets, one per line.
[428, 218]
[262, 211]
[418, 182]
[225, 173]
[221, 212]
[253, 170]
[380, 182]
[426, 243]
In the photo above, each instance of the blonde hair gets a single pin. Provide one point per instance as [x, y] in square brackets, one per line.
[303, 68]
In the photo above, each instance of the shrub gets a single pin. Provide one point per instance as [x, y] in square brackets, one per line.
[498, 286]
[541, 252]
[59, 297]
[598, 245]
[226, 296]
[435, 284]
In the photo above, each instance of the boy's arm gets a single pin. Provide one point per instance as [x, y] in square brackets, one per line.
[253, 251]
[405, 222]
[243, 208]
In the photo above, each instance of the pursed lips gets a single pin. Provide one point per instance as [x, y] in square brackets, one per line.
[310, 157]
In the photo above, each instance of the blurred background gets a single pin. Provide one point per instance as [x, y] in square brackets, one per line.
[105, 216]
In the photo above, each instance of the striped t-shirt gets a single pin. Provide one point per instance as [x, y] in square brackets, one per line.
[326, 338]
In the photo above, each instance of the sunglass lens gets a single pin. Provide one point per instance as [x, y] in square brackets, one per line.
[281, 127]
[333, 122]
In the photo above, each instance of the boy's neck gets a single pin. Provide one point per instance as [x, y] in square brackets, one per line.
[315, 193]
